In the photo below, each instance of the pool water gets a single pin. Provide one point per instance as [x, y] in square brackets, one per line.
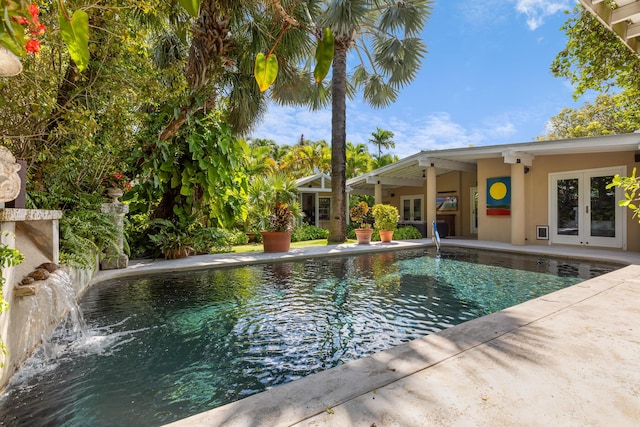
[164, 347]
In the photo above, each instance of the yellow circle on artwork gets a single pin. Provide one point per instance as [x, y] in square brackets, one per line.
[498, 190]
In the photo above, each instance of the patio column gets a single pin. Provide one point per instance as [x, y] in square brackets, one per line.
[431, 198]
[378, 193]
[517, 204]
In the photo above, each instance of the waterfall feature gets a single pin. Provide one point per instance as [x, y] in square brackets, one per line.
[34, 318]
[39, 293]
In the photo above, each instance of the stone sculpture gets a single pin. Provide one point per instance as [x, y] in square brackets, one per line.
[9, 178]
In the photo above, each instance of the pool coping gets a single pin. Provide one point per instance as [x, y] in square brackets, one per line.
[344, 395]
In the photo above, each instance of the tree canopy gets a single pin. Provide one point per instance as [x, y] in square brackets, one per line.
[595, 59]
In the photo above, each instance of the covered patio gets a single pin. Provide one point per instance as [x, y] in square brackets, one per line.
[450, 186]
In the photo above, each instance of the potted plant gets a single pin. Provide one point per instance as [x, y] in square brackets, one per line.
[358, 214]
[277, 236]
[171, 238]
[273, 206]
[116, 184]
[386, 220]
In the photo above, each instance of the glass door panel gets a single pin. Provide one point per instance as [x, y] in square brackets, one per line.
[603, 207]
[567, 213]
[417, 210]
[406, 210]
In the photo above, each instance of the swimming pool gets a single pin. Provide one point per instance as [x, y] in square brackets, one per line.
[162, 348]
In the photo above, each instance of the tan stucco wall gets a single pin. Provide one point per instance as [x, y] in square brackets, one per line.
[537, 193]
[495, 228]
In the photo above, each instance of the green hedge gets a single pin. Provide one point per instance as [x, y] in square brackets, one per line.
[306, 232]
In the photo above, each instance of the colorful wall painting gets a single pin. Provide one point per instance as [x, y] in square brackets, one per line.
[499, 196]
[447, 203]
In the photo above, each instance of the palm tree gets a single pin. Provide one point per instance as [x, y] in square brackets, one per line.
[382, 138]
[308, 159]
[384, 35]
[226, 36]
[385, 159]
[358, 159]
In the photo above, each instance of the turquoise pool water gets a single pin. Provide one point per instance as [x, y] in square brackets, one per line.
[161, 348]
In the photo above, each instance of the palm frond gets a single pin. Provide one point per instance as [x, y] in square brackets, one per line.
[378, 93]
[167, 50]
[345, 17]
[406, 16]
[400, 59]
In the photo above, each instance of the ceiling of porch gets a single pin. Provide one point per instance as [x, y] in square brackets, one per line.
[623, 19]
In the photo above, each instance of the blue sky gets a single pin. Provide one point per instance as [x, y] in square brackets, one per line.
[485, 80]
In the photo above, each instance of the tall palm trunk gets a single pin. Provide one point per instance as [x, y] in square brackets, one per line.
[208, 53]
[338, 223]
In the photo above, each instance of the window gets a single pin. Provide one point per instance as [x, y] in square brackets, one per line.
[324, 208]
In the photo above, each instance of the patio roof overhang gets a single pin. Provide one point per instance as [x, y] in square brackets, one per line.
[411, 171]
[623, 19]
[318, 182]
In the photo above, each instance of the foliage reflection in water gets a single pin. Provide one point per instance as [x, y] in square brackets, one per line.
[165, 347]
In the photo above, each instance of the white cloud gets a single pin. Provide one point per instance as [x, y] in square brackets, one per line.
[412, 133]
[479, 14]
[285, 125]
[537, 10]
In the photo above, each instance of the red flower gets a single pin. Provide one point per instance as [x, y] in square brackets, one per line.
[33, 25]
[32, 46]
[33, 10]
[20, 20]
[117, 180]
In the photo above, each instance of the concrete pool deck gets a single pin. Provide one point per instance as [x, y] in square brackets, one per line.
[569, 358]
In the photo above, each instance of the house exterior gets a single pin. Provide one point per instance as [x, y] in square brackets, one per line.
[538, 193]
[314, 194]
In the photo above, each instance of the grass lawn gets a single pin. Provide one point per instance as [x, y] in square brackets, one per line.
[257, 247]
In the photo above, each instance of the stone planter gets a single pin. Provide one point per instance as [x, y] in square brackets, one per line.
[10, 64]
[363, 235]
[276, 241]
[113, 193]
[386, 236]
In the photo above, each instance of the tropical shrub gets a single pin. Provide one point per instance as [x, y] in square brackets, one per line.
[359, 214]
[385, 216]
[84, 234]
[171, 238]
[631, 186]
[213, 240]
[273, 204]
[235, 238]
[406, 233]
[305, 232]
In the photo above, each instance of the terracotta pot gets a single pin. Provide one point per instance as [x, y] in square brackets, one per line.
[177, 253]
[276, 241]
[363, 235]
[386, 236]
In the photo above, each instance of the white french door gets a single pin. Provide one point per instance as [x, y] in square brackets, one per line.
[582, 211]
[412, 208]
